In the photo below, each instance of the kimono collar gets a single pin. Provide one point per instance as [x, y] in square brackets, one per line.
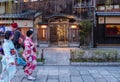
[5, 40]
[28, 38]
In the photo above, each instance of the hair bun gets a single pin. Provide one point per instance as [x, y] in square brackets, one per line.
[14, 25]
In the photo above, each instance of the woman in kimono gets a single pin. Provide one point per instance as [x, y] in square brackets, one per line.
[30, 55]
[8, 59]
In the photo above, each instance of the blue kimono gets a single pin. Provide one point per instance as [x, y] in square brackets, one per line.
[8, 69]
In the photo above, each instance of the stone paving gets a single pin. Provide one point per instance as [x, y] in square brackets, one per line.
[71, 74]
[57, 56]
[57, 68]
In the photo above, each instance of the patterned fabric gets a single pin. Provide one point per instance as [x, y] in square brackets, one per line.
[29, 55]
[8, 69]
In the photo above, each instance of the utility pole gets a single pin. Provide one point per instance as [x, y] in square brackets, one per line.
[94, 21]
[80, 9]
[55, 6]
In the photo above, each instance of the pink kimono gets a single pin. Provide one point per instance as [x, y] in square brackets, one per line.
[30, 56]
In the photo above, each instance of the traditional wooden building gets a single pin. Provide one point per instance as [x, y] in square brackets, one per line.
[84, 9]
[8, 16]
[58, 30]
[22, 19]
[107, 27]
[53, 29]
[56, 25]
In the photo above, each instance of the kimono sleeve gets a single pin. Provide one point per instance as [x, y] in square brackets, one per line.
[32, 44]
[9, 57]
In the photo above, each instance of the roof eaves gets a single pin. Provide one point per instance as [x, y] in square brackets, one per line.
[108, 13]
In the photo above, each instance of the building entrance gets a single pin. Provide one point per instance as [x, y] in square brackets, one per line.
[58, 31]
[59, 34]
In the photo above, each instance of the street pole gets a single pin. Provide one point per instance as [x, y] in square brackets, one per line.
[94, 21]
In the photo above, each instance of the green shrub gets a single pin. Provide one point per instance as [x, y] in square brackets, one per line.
[37, 52]
[76, 54]
[40, 60]
[112, 55]
[79, 53]
[98, 55]
[72, 52]
[0, 58]
[107, 55]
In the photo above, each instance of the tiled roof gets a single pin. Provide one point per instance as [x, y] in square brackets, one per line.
[61, 15]
[108, 13]
[26, 15]
[5, 0]
[78, 5]
[103, 1]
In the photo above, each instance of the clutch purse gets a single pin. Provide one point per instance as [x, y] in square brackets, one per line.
[1, 51]
[12, 51]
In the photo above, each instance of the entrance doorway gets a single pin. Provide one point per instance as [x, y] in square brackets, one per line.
[59, 34]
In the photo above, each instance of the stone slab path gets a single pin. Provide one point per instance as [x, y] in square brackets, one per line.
[71, 74]
[57, 56]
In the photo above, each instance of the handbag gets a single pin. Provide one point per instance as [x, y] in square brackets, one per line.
[12, 51]
[1, 51]
[20, 61]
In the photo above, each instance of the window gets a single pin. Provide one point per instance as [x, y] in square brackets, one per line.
[42, 34]
[113, 30]
[116, 6]
[109, 7]
[34, 0]
[26, 0]
[101, 8]
[74, 35]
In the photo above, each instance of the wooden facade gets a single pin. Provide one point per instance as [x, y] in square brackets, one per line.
[107, 31]
[58, 31]
[107, 27]
[23, 25]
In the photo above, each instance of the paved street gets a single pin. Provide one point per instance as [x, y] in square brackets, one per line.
[57, 68]
[71, 74]
[57, 56]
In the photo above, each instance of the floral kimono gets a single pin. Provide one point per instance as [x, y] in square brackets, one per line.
[8, 69]
[30, 56]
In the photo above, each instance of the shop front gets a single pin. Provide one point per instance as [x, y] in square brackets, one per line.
[23, 25]
[59, 32]
[107, 29]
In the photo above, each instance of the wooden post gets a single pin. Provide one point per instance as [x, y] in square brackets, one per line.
[71, 54]
[42, 54]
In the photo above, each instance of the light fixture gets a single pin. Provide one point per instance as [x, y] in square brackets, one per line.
[43, 33]
[26, 0]
[73, 26]
[43, 26]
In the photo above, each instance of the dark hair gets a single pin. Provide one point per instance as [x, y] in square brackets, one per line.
[8, 34]
[29, 32]
[1, 49]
